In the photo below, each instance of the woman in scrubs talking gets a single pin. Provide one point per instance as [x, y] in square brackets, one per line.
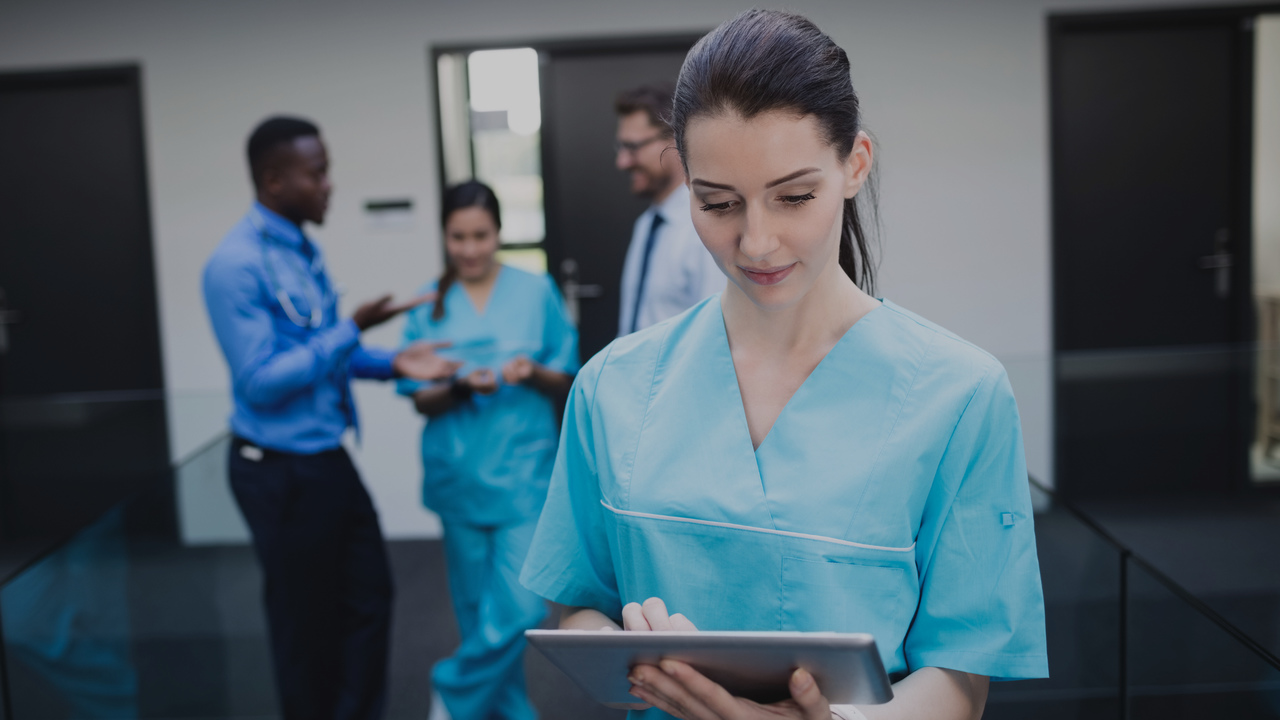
[488, 448]
[794, 454]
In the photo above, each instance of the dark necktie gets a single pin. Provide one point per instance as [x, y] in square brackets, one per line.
[644, 268]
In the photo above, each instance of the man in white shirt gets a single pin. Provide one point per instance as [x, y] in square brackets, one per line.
[667, 269]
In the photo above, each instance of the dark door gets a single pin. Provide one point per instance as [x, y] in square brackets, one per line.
[1151, 240]
[81, 409]
[590, 210]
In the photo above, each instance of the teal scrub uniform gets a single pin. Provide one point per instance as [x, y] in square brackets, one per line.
[890, 496]
[486, 464]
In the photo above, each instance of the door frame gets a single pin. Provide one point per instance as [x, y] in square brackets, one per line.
[1243, 330]
[562, 47]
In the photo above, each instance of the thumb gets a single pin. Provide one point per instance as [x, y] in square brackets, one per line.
[804, 690]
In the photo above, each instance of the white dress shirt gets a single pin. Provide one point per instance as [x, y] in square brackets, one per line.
[681, 271]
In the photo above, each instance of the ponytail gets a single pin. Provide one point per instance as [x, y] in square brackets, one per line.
[856, 241]
[442, 288]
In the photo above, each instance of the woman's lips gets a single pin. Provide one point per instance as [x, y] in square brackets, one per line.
[768, 276]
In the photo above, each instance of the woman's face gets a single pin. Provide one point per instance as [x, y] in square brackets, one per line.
[471, 242]
[768, 199]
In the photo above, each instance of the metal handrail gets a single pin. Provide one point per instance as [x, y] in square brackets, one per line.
[1128, 555]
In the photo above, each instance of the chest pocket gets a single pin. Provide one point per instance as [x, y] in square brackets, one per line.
[840, 596]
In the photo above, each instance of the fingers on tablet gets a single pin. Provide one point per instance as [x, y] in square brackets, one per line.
[680, 622]
[655, 611]
[633, 617]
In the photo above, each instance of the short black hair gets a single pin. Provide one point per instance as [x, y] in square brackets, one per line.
[269, 135]
[653, 98]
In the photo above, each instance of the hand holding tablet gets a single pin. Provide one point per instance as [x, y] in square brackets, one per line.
[753, 665]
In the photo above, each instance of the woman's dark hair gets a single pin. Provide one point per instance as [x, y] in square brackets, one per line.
[471, 193]
[765, 60]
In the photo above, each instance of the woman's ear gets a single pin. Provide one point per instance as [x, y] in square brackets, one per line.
[858, 165]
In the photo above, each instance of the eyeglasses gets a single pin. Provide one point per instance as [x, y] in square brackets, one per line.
[634, 147]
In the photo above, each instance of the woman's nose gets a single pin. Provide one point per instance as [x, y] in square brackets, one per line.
[758, 237]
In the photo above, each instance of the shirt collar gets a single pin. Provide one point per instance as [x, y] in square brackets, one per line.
[275, 225]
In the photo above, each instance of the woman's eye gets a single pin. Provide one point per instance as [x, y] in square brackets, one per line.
[716, 207]
[797, 199]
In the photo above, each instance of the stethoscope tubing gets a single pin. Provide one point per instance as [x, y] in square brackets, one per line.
[315, 297]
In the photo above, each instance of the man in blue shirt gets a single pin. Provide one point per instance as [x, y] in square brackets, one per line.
[316, 533]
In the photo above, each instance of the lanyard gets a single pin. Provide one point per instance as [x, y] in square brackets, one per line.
[314, 296]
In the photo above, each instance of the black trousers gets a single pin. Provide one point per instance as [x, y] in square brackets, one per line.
[327, 580]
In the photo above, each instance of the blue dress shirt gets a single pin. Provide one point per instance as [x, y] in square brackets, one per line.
[291, 358]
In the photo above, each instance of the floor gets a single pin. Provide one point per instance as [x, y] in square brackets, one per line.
[163, 631]
[197, 641]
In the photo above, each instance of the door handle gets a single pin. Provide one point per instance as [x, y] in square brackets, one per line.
[1220, 263]
[570, 287]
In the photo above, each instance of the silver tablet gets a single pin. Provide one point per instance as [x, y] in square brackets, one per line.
[754, 665]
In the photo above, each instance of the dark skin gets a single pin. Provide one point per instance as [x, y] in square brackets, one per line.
[293, 182]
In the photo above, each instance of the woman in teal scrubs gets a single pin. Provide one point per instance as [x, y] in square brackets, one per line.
[488, 447]
[794, 454]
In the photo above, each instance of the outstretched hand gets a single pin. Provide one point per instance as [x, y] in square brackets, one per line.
[376, 312]
[519, 369]
[419, 361]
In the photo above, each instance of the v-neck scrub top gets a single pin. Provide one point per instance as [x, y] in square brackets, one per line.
[487, 461]
[889, 497]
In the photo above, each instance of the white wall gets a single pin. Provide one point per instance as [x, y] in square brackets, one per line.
[955, 92]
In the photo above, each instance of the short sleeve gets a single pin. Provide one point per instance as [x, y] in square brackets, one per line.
[559, 350]
[981, 604]
[570, 561]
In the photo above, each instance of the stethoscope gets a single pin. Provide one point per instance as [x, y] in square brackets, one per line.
[315, 298]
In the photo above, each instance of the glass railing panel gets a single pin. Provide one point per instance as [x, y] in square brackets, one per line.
[1080, 572]
[127, 620]
[66, 459]
[1184, 661]
[1155, 421]
[68, 629]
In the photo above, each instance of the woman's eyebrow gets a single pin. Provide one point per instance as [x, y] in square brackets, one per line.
[708, 183]
[786, 178]
[793, 176]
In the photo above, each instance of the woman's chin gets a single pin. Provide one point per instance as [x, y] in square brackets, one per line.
[466, 274]
[769, 298]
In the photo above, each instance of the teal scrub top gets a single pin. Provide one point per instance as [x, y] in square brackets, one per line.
[890, 496]
[487, 461]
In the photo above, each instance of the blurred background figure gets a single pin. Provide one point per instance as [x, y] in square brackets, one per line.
[315, 530]
[67, 627]
[488, 448]
[667, 269]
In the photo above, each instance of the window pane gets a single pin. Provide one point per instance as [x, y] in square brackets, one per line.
[505, 118]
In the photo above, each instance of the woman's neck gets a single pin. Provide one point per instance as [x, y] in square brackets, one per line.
[480, 288]
[482, 281]
[816, 321]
